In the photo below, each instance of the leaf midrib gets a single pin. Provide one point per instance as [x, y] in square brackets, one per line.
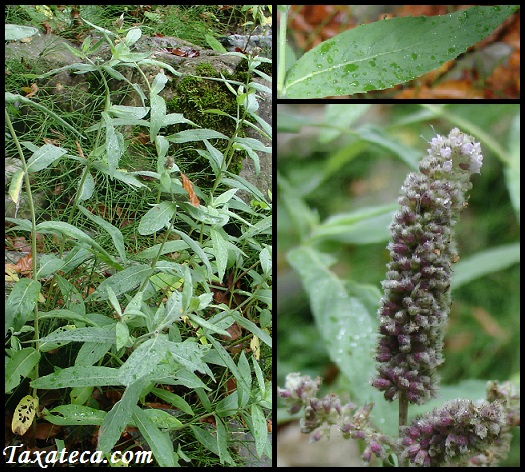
[368, 58]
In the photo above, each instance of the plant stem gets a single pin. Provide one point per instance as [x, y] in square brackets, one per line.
[403, 410]
[403, 415]
[281, 49]
[33, 236]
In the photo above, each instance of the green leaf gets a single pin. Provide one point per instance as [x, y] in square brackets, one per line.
[198, 250]
[189, 355]
[260, 429]
[113, 231]
[162, 146]
[187, 379]
[20, 304]
[78, 376]
[222, 442]
[388, 52]
[119, 417]
[122, 282]
[347, 328]
[13, 97]
[208, 215]
[175, 400]
[512, 170]
[224, 197]
[157, 218]
[88, 187]
[265, 256]
[236, 181]
[195, 135]
[292, 122]
[364, 226]
[122, 111]
[15, 187]
[73, 299]
[122, 332]
[205, 438]
[409, 155]
[485, 262]
[44, 157]
[261, 227]
[161, 64]
[215, 44]
[99, 28]
[220, 250]
[339, 118]
[206, 324]
[93, 334]
[229, 363]
[15, 32]
[82, 68]
[114, 302]
[64, 415]
[133, 36]
[159, 82]
[252, 328]
[264, 295]
[59, 227]
[158, 115]
[19, 366]
[115, 74]
[127, 178]
[143, 360]
[260, 376]
[244, 370]
[162, 419]
[68, 315]
[251, 143]
[49, 264]
[114, 145]
[91, 353]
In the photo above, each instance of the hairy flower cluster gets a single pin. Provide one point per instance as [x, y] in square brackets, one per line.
[298, 390]
[509, 396]
[453, 434]
[416, 302]
[322, 413]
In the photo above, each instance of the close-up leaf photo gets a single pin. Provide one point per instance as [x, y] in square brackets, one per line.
[398, 299]
[138, 236]
[398, 51]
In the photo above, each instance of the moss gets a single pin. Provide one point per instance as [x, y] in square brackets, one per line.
[194, 95]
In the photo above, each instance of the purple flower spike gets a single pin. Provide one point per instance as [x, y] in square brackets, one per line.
[414, 310]
[442, 443]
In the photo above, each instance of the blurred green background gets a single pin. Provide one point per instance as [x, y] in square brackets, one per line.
[340, 168]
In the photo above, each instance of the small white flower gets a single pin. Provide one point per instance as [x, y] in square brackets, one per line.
[445, 152]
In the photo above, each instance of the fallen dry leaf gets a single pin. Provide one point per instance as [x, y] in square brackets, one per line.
[47, 430]
[23, 266]
[30, 91]
[188, 186]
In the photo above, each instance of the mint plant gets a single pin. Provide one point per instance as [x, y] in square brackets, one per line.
[164, 322]
[412, 316]
[380, 55]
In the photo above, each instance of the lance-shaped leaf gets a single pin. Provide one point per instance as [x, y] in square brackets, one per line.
[380, 55]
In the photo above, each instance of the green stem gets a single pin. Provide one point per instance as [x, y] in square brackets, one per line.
[281, 49]
[33, 236]
[403, 414]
